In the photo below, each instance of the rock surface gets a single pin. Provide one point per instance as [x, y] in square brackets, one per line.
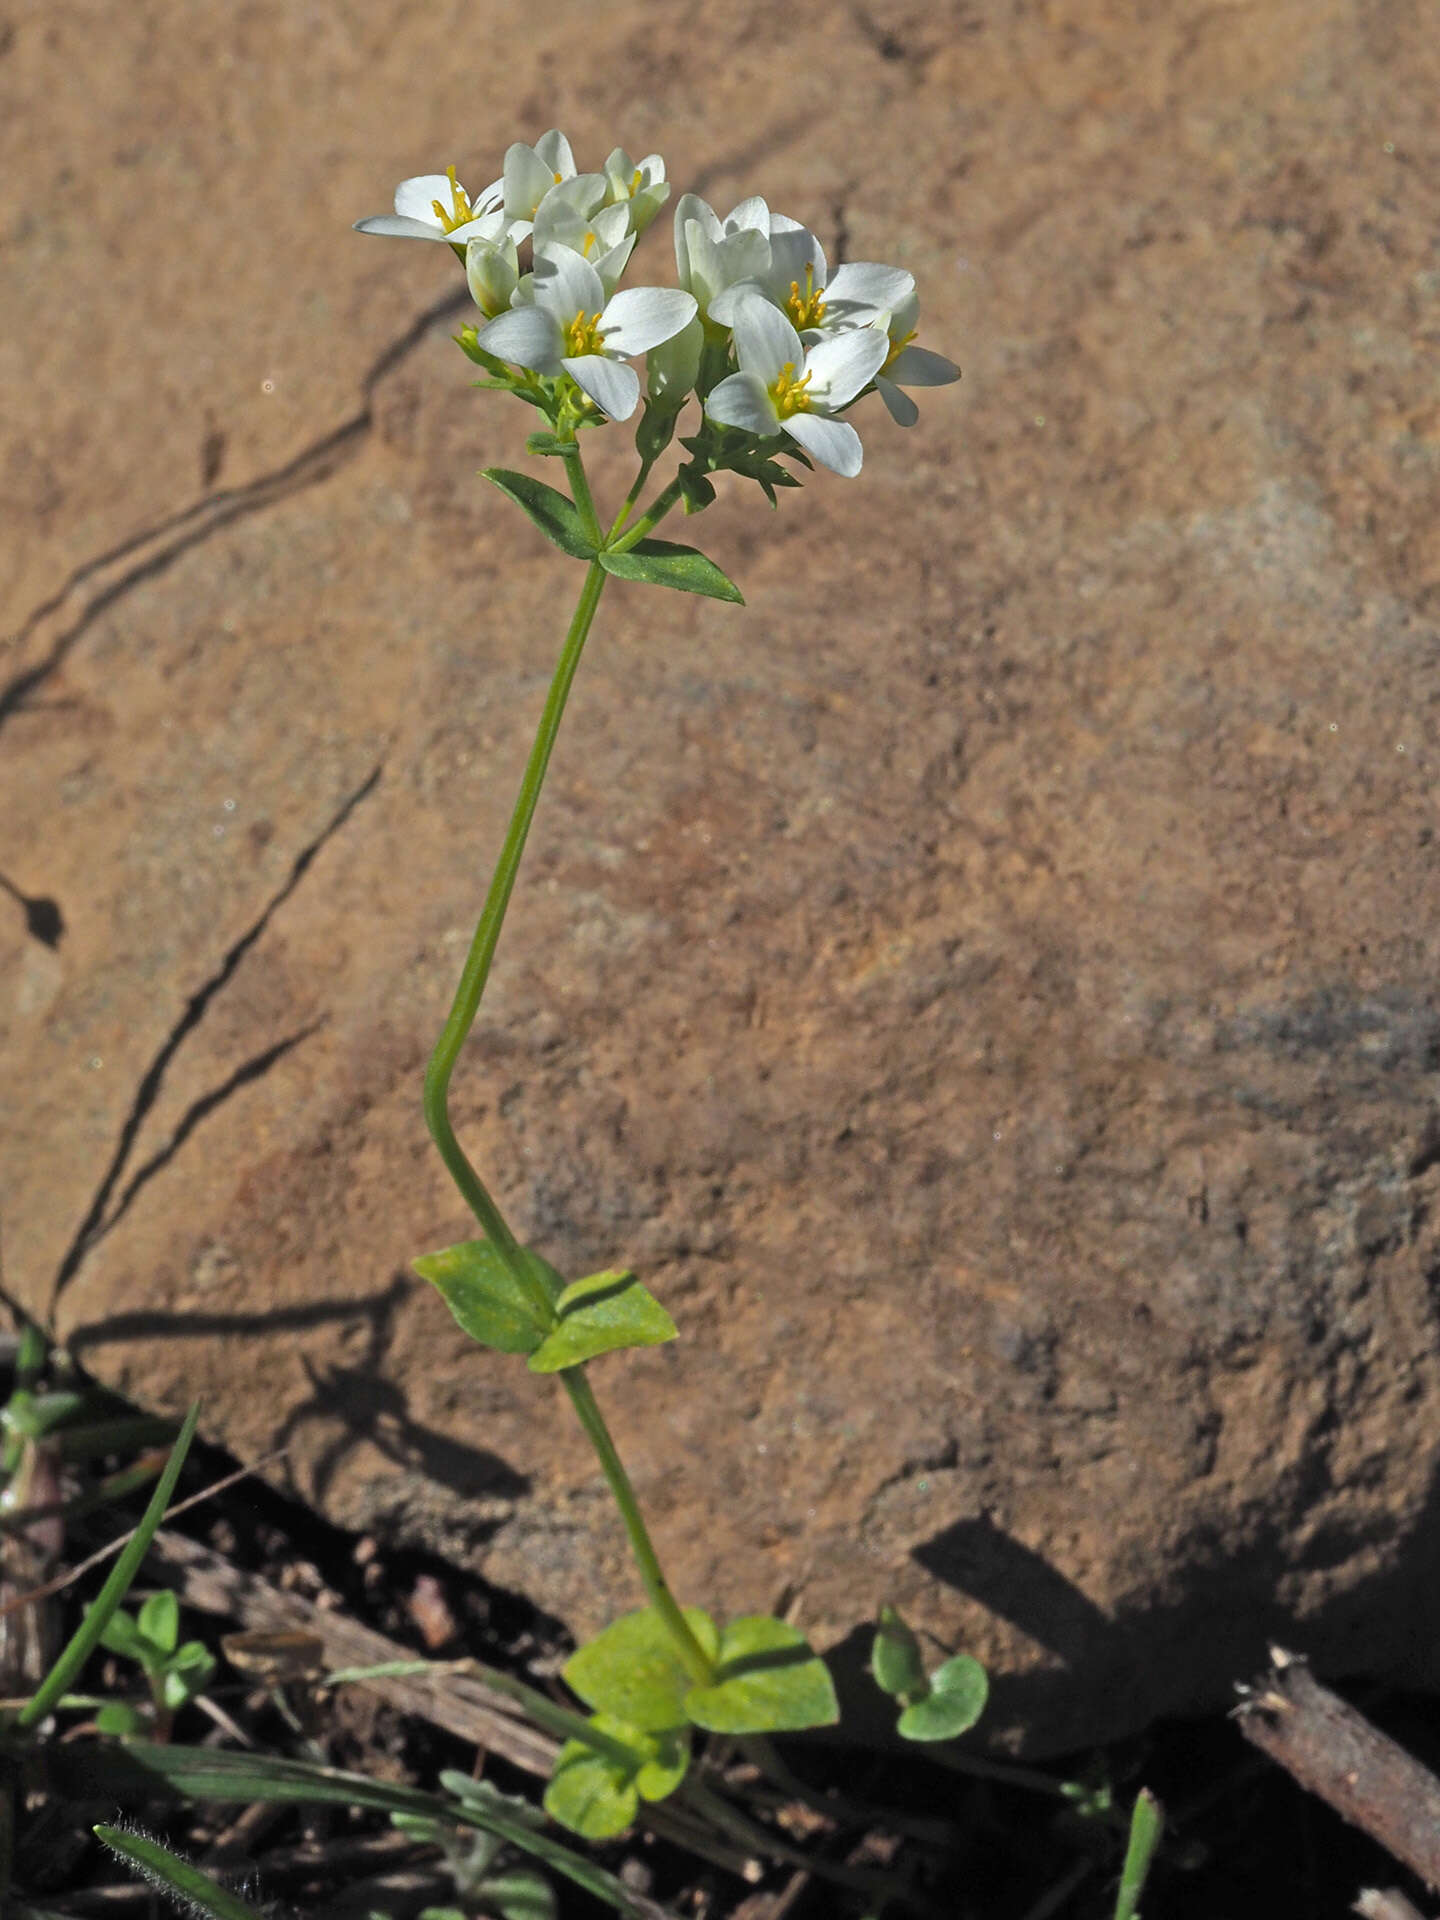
[987, 987]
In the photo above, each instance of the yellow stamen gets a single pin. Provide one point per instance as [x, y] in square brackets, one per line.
[461, 210]
[582, 336]
[806, 309]
[788, 392]
[897, 346]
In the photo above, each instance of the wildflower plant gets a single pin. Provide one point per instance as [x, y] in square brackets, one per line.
[771, 353]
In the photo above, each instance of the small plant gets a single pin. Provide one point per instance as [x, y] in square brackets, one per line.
[935, 1706]
[175, 1673]
[773, 349]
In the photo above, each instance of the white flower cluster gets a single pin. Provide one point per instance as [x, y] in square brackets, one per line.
[759, 330]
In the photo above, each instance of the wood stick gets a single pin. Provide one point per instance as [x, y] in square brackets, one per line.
[1335, 1752]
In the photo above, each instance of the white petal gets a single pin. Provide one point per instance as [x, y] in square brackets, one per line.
[492, 273]
[641, 317]
[614, 387]
[401, 226]
[744, 401]
[611, 265]
[903, 410]
[864, 288]
[527, 181]
[792, 252]
[905, 316]
[723, 305]
[842, 363]
[691, 207]
[917, 367]
[751, 215]
[525, 337]
[764, 339]
[832, 442]
[566, 283]
[417, 197]
[554, 149]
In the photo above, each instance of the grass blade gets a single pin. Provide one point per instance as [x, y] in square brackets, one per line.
[87, 1635]
[186, 1885]
[88, 1770]
[1145, 1825]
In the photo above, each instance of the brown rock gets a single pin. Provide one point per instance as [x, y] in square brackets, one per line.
[986, 986]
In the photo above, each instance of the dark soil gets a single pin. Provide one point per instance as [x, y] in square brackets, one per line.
[1241, 1837]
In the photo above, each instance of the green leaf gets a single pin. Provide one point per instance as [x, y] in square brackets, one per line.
[895, 1659]
[86, 1637]
[655, 431]
[547, 445]
[486, 1298]
[769, 1680]
[121, 1635]
[159, 1621]
[1146, 1823]
[599, 1314]
[958, 1692]
[188, 1673]
[521, 1894]
[696, 492]
[661, 563]
[591, 1795]
[556, 517]
[597, 1794]
[187, 1886]
[482, 1798]
[632, 1672]
[119, 1719]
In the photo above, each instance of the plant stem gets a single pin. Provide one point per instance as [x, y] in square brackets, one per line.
[482, 952]
[442, 1065]
[660, 506]
[657, 1588]
[584, 500]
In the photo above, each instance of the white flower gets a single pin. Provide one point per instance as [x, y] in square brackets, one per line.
[434, 206]
[799, 282]
[492, 272]
[907, 366]
[712, 254]
[783, 388]
[531, 172]
[569, 326]
[573, 215]
[672, 367]
[642, 188]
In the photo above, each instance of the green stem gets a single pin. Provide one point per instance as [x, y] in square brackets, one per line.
[697, 1662]
[482, 952]
[657, 511]
[447, 1049]
[584, 500]
[627, 505]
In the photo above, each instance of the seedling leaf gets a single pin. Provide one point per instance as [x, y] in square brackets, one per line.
[599, 1314]
[769, 1680]
[956, 1700]
[631, 1670]
[486, 1298]
[895, 1659]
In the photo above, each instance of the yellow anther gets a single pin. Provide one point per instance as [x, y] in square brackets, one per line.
[897, 347]
[582, 336]
[557, 178]
[789, 393]
[806, 307]
[460, 209]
